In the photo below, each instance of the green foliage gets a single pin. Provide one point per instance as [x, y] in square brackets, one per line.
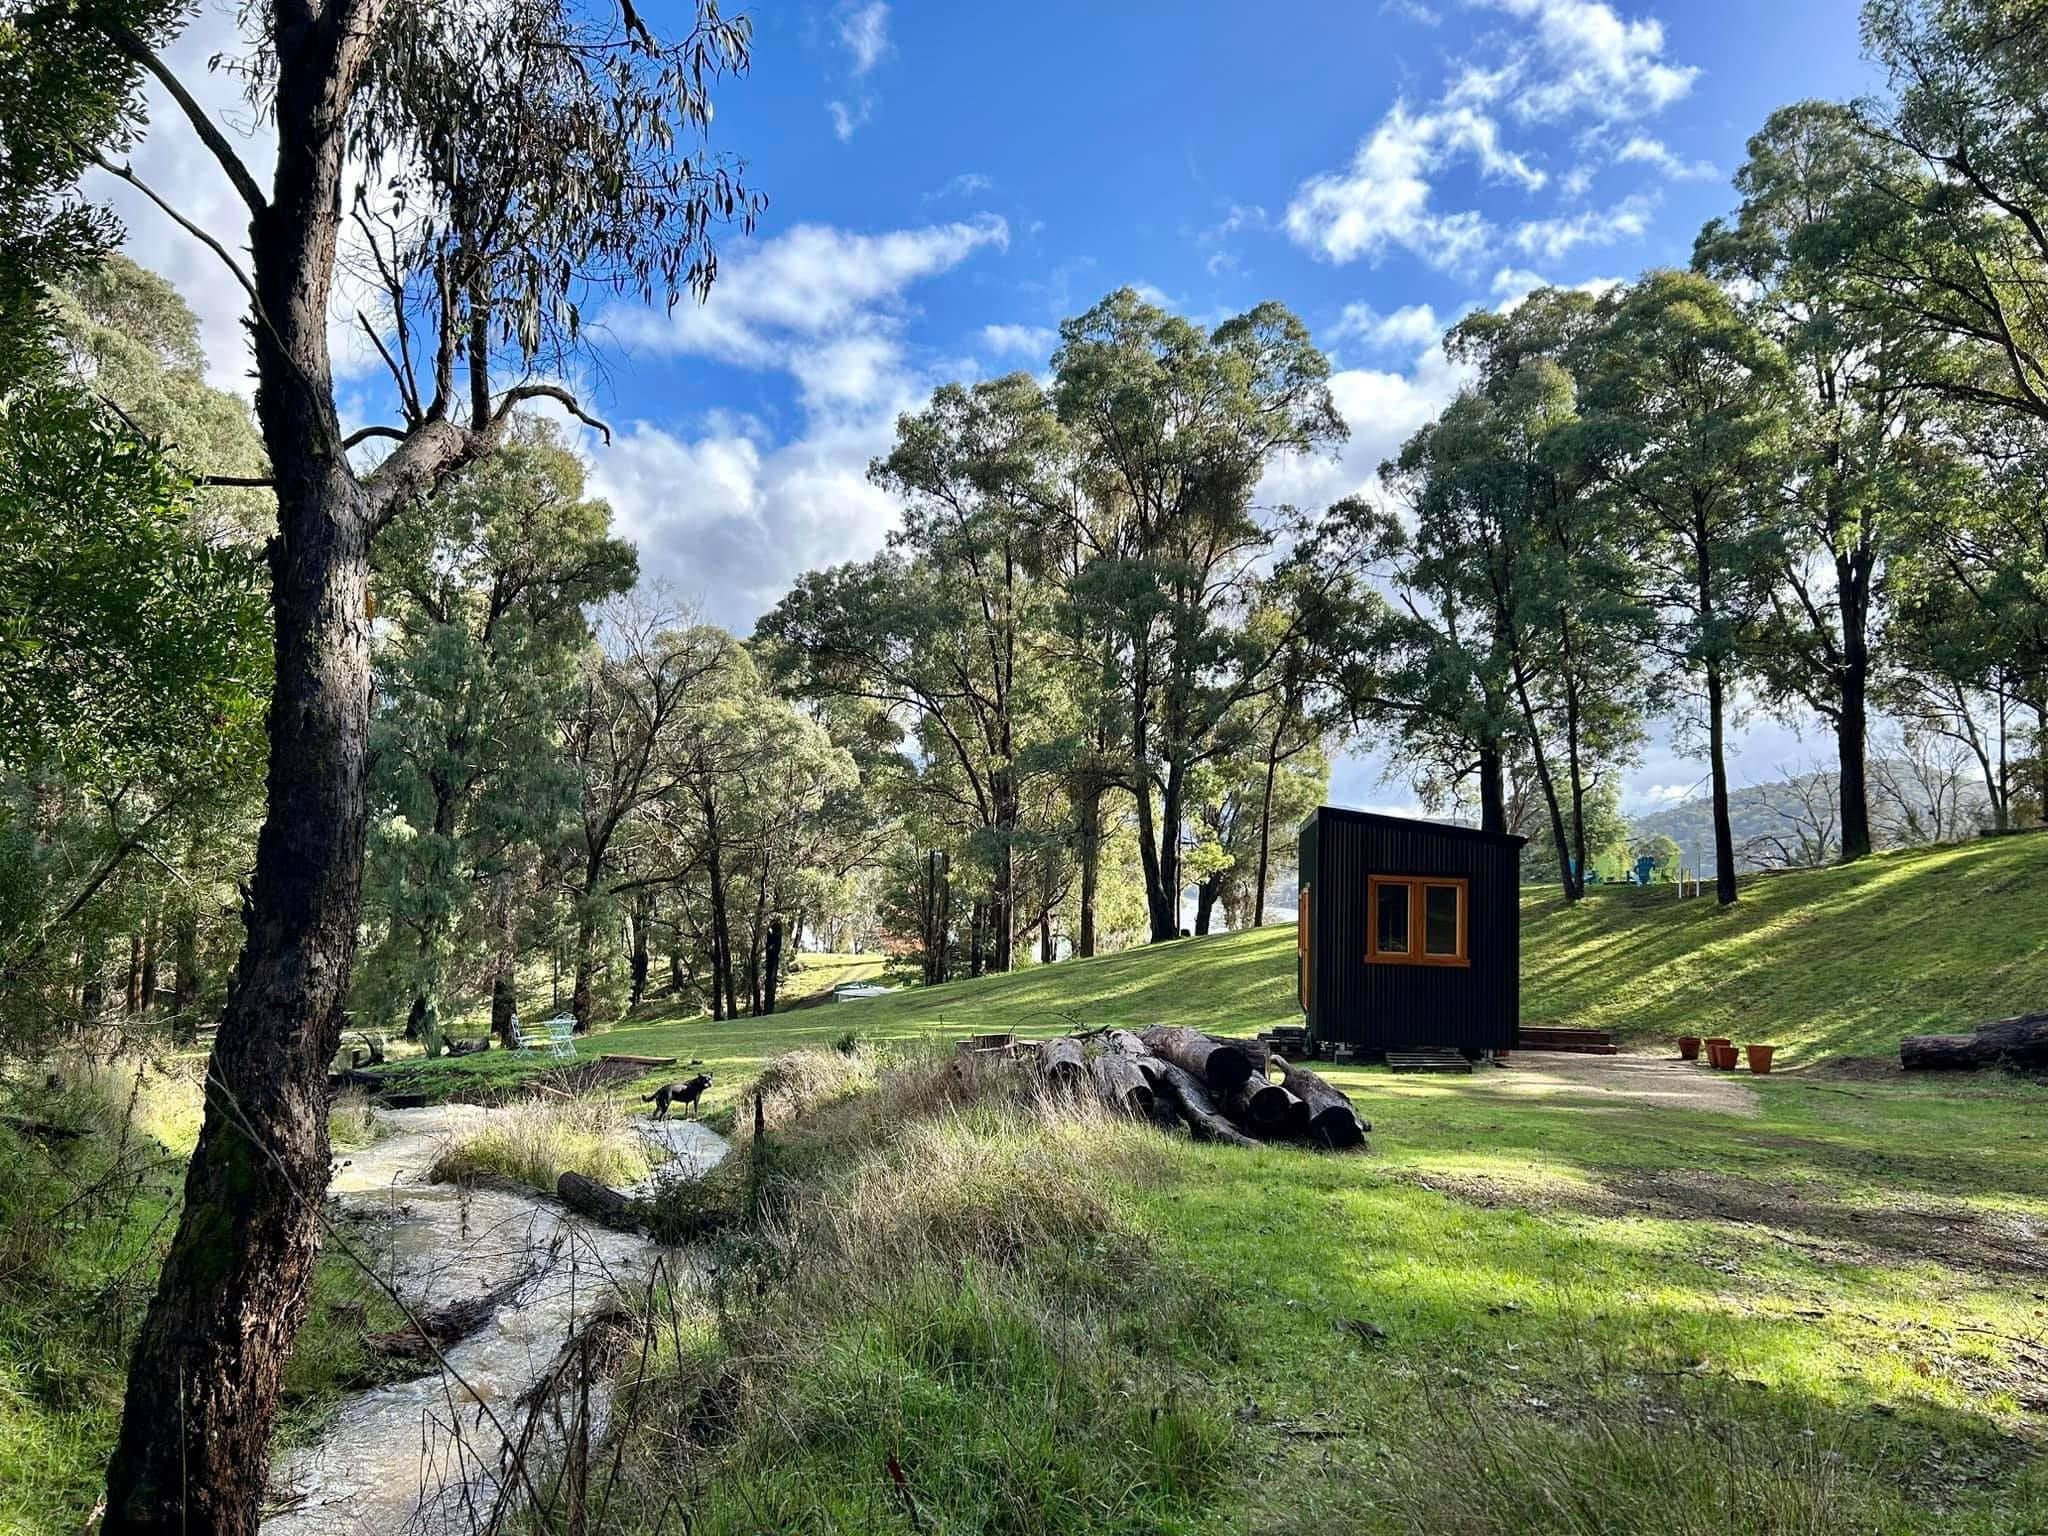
[487, 585]
[130, 648]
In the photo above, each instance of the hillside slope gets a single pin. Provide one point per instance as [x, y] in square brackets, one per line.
[1832, 962]
[1822, 963]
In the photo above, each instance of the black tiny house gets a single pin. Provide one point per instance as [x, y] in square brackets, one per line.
[1410, 934]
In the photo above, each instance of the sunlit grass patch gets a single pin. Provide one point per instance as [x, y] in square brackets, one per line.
[536, 1142]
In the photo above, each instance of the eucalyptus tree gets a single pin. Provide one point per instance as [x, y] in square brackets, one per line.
[494, 165]
[627, 728]
[1858, 438]
[127, 335]
[1682, 411]
[1512, 534]
[1952, 235]
[1173, 430]
[1971, 589]
[485, 587]
[950, 622]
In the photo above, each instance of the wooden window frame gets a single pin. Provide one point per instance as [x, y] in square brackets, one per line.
[1412, 888]
[1303, 949]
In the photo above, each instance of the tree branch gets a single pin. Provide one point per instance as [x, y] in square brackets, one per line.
[364, 434]
[560, 396]
[209, 131]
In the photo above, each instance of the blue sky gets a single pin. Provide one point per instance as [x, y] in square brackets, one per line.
[947, 182]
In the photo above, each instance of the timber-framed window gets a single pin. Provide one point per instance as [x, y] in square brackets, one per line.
[1418, 920]
[1303, 958]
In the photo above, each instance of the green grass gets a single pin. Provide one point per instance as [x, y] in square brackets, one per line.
[1821, 963]
[1564, 1312]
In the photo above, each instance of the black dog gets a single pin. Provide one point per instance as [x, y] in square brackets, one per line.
[685, 1093]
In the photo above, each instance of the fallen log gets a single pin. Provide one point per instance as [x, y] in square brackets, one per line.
[1060, 1062]
[1331, 1119]
[600, 1202]
[2020, 1043]
[1220, 1064]
[1121, 1042]
[1205, 1123]
[1260, 1106]
[1257, 1052]
[1122, 1084]
[1294, 1119]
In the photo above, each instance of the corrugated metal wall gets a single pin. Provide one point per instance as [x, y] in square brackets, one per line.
[1394, 1007]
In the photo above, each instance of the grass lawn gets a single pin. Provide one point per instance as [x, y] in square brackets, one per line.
[1554, 1298]
[1803, 1303]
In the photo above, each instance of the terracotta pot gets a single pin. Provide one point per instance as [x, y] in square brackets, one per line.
[1760, 1057]
[1722, 1056]
[1688, 1047]
[1718, 1040]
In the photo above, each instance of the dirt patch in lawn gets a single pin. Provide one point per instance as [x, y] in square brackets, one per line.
[1908, 1227]
[1656, 1082]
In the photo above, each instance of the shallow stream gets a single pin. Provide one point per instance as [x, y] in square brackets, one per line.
[432, 1455]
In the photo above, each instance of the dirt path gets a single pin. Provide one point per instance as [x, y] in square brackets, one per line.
[1659, 1082]
[428, 1455]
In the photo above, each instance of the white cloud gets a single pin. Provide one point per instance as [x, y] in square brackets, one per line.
[726, 511]
[846, 120]
[1593, 62]
[731, 519]
[966, 184]
[1553, 239]
[810, 285]
[1411, 10]
[1027, 341]
[171, 161]
[1644, 150]
[1242, 217]
[1409, 328]
[1384, 197]
[1511, 285]
[864, 34]
[1383, 408]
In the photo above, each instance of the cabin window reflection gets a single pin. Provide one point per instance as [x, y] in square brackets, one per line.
[1416, 920]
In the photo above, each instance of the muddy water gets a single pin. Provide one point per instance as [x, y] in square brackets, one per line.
[428, 1455]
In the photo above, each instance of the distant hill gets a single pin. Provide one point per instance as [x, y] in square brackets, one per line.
[1779, 823]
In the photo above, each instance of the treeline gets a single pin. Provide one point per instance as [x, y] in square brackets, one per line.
[1093, 670]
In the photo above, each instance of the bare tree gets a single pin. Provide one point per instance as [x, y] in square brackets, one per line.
[1923, 776]
[499, 163]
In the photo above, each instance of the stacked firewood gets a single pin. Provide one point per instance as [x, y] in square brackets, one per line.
[1222, 1089]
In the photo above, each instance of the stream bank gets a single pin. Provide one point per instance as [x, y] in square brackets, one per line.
[435, 1455]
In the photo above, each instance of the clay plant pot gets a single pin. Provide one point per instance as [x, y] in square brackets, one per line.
[1713, 1040]
[1760, 1057]
[1721, 1056]
[1688, 1047]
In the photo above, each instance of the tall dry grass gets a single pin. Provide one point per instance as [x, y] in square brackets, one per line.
[535, 1142]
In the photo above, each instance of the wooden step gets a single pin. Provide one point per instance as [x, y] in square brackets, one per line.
[1560, 1034]
[1427, 1061]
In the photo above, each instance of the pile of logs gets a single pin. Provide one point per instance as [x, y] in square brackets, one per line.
[2020, 1045]
[1222, 1089]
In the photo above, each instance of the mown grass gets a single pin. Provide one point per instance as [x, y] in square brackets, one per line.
[1822, 963]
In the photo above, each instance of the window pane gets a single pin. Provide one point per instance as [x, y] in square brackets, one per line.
[1440, 919]
[1391, 919]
